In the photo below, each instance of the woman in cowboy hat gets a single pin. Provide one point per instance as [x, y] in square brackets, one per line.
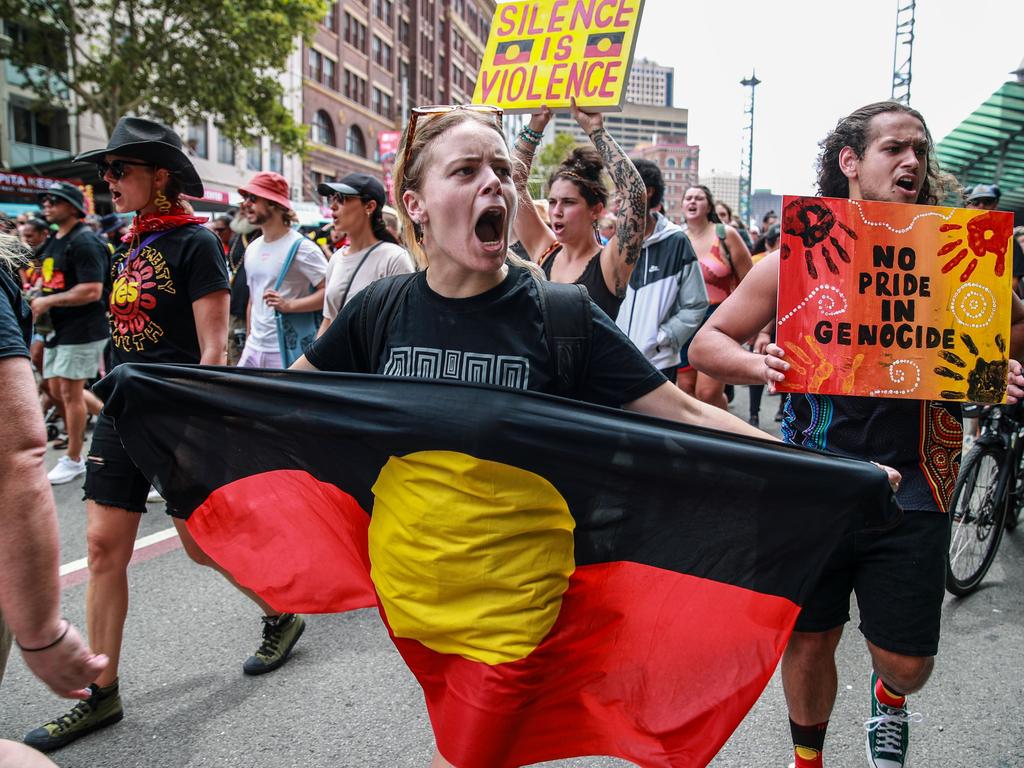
[168, 303]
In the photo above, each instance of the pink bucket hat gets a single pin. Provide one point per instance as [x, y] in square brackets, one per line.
[270, 186]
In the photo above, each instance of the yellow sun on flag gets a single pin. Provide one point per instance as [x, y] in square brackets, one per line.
[604, 44]
[469, 557]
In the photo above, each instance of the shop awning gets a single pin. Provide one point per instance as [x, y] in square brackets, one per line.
[988, 146]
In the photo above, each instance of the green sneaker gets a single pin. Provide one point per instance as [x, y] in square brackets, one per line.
[279, 637]
[888, 737]
[98, 711]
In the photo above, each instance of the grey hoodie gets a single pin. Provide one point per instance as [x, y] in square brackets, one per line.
[665, 300]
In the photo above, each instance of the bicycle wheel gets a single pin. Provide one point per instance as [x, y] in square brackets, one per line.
[978, 512]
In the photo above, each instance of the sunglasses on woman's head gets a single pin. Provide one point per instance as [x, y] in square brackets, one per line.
[434, 110]
[118, 168]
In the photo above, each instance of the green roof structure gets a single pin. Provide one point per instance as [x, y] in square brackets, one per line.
[988, 146]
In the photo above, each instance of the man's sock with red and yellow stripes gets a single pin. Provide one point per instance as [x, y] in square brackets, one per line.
[808, 741]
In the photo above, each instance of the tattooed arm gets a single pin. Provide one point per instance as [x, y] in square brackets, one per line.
[528, 227]
[622, 251]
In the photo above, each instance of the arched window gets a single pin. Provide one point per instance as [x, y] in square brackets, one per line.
[354, 142]
[670, 162]
[322, 129]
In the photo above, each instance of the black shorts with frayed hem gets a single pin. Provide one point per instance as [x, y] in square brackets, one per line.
[111, 477]
[898, 575]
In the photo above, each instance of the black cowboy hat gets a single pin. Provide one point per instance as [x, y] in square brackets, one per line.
[154, 142]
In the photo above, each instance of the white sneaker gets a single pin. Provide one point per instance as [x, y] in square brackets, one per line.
[154, 496]
[67, 469]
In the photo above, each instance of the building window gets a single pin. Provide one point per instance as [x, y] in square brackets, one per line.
[381, 103]
[382, 53]
[197, 140]
[276, 158]
[354, 142]
[355, 87]
[355, 33]
[671, 162]
[254, 157]
[384, 10]
[331, 19]
[45, 127]
[322, 129]
[316, 65]
[403, 31]
[225, 150]
[328, 78]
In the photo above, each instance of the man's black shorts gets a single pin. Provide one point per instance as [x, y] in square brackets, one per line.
[111, 478]
[899, 577]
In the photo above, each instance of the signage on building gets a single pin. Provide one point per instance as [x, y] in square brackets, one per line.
[549, 52]
[891, 300]
[22, 184]
[214, 196]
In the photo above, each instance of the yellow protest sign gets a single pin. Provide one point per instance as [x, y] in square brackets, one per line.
[549, 52]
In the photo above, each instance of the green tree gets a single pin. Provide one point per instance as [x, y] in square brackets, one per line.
[172, 60]
[547, 160]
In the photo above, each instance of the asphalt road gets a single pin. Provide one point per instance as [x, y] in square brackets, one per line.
[346, 698]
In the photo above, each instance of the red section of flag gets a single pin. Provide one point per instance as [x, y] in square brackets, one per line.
[298, 543]
[646, 664]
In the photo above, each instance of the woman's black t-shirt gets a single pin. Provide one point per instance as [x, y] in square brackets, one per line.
[494, 338]
[15, 318]
[152, 291]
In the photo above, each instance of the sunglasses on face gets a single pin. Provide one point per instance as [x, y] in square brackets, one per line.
[249, 198]
[420, 113]
[341, 199]
[118, 169]
[50, 200]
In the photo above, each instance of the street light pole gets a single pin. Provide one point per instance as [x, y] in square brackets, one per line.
[747, 165]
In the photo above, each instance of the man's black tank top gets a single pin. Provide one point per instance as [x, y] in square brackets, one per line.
[593, 280]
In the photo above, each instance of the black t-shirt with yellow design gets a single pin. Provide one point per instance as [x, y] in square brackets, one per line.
[64, 262]
[151, 293]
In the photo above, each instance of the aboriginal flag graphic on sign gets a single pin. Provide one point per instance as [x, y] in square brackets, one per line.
[513, 52]
[604, 45]
[562, 579]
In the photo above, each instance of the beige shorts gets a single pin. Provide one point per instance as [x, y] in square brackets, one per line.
[78, 362]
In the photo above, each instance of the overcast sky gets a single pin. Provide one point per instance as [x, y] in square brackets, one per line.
[818, 61]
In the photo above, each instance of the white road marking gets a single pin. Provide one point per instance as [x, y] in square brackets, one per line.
[145, 541]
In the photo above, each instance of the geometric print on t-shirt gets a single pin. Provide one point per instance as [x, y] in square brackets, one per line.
[475, 367]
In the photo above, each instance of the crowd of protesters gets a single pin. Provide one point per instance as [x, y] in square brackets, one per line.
[678, 310]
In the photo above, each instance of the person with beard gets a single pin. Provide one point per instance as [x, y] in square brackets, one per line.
[243, 233]
[281, 267]
[884, 152]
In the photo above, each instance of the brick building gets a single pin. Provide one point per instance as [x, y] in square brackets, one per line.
[370, 61]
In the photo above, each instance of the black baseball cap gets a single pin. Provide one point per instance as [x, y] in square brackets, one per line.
[65, 190]
[360, 184]
[983, 192]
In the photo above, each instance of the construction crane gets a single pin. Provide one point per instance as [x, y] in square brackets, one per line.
[901, 60]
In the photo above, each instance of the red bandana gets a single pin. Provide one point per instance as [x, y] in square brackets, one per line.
[175, 217]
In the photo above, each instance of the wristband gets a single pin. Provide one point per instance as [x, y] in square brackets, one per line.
[538, 135]
[528, 139]
[67, 626]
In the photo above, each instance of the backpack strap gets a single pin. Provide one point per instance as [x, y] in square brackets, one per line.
[380, 300]
[569, 327]
[720, 234]
[288, 260]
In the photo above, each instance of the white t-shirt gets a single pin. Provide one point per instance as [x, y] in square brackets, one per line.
[386, 259]
[263, 263]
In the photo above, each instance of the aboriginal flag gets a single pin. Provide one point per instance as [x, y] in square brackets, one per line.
[513, 52]
[604, 45]
[563, 579]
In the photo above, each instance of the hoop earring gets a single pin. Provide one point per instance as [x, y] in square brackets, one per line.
[161, 202]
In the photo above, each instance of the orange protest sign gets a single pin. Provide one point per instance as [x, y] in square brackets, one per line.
[548, 52]
[891, 300]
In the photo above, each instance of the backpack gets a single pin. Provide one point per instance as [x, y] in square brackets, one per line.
[565, 309]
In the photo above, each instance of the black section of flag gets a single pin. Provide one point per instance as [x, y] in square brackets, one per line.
[714, 505]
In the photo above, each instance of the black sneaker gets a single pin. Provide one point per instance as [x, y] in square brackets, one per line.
[280, 635]
[98, 711]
